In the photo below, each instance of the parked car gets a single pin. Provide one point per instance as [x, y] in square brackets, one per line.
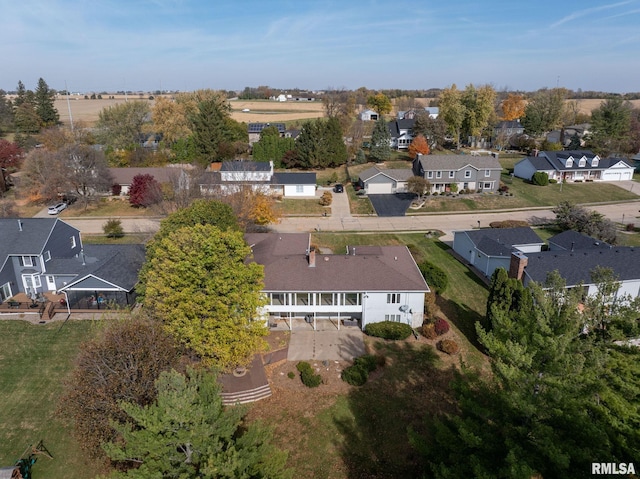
[55, 209]
[338, 188]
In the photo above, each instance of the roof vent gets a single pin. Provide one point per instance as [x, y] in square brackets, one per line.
[326, 258]
[20, 225]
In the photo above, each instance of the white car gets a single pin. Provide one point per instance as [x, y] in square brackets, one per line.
[55, 209]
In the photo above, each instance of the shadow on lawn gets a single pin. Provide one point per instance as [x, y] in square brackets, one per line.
[398, 396]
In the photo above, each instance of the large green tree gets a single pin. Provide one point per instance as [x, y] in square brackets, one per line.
[452, 111]
[187, 433]
[479, 107]
[201, 286]
[380, 103]
[611, 127]
[543, 410]
[320, 144]
[433, 129]
[6, 113]
[272, 148]
[589, 222]
[120, 126]
[380, 141]
[45, 104]
[544, 111]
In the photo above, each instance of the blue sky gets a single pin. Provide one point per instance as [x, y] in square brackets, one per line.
[110, 45]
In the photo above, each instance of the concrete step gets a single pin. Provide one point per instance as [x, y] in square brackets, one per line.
[243, 397]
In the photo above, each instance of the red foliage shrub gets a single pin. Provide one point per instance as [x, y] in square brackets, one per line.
[441, 326]
[144, 191]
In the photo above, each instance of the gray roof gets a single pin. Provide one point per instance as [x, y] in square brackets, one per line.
[458, 162]
[576, 266]
[557, 160]
[398, 174]
[245, 165]
[286, 268]
[395, 126]
[572, 240]
[124, 176]
[115, 264]
[293, 178]
[30, 241]
[500, 241]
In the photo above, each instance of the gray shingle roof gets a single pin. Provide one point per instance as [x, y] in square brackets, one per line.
[385, 268]
[500, 241]
[557, 160]
[576, 267]
[286, 178]
[572, 240]
[457, 162]
[398, 174]
[30, 241]
[124, 176]
[242, 165]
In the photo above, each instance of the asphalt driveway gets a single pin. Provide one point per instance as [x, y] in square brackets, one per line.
[391, 205]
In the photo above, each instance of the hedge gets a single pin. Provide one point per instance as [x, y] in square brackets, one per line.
[435, 277]
[358, 373]
[307, 376]
[388, 330]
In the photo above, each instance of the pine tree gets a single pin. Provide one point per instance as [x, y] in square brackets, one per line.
[310, 145]
[336, 150]
[380, 141]
[45, 106]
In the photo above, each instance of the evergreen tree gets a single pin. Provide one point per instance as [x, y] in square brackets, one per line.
[45, 106]
[336, 150]
[272, 148]
[310, 145]
[187, 432]
[6, 113]
[210, 133]
[21, 95]
[380, 141]
[611, 127]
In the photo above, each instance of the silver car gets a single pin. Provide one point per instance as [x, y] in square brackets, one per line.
[55, 209]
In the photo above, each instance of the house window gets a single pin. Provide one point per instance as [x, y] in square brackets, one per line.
[278, 299]
[47, 255]
[26, 260]
[582, 162]
[392, 317]
[465, 186]
[438, 174]
[467, 174]
[299, 189]
[429, 174]
[486, 186]
[487, 173]
[452, 174]
[326, 299]
[595, 161]
[569, 163]
[352, 299]
[393, 298]
[73, 242]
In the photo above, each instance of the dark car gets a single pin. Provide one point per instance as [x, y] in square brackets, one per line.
[338, 188]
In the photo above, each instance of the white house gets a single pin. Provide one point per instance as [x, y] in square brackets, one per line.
[576, 165]
[401, 133]
[368, 284]
[380, 181]
[491, 248]
[369, 115]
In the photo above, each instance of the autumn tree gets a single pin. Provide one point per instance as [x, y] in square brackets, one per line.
[589, 222]
[120, 364]
[513, 107]
[380, 141]
[418, 146]
[85, 170]
[144, 191]
[120, 126]
[380, 103]
[340, 104]
[186, 432]
[45, 104]
[170, 120]
[433, 129]
[10, 155]
[452, 111]
[200, 285]
[478, 106]
[253, 210]
[544, 111]
[418, 185]
[610, 127]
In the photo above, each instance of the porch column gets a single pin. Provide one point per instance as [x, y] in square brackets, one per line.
[338, 320]
[314, 321]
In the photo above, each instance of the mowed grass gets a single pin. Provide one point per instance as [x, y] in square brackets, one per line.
[301, 207]
[106, 207]
[526, 195]
[34, 360]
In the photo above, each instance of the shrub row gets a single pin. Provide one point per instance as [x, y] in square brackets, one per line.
[509, 224]
[358, 373]
[388, 330]
[307, 376]
[435, 277]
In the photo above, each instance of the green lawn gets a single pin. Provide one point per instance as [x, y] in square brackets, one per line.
[359, 205]
[128, 238]
[526, 195]
[34, 359]
[300, 207]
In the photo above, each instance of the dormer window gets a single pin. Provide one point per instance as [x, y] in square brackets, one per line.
[583, 162]
[595, 161]
[569, 163]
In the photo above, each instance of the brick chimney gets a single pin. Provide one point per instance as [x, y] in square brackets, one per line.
[312, 258]
[517, 264]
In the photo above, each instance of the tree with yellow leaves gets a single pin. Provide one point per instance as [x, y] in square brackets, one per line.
[513, 107]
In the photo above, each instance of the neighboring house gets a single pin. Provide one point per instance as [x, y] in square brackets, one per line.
[281, 97]
[378, 181]
[259, 176]
[478, 173]
[254, 130]
[505, 132]
[575, 256]
[369, 115]
[401, 133]
[565, 135]
[491, 248]
[46, 255]
[574, 165]
[433, 112]
[176, 176]
[368, 283]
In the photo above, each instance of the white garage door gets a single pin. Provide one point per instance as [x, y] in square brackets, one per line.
[379, 188]
[611, 176]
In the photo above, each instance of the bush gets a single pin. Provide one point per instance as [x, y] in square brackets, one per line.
[630, 227]
[116, 189]
[553, 181]
[358, 373]
[509, 224]
[113, 228]
[307, 376]
[291, 375]
[441, 326]
[540, 178]
[429, 331]
[448, 346]
[326, 198]
[435, 277]
[388, 330]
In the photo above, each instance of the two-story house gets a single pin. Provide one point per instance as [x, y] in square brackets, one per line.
[401, 131]
[477, 173]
